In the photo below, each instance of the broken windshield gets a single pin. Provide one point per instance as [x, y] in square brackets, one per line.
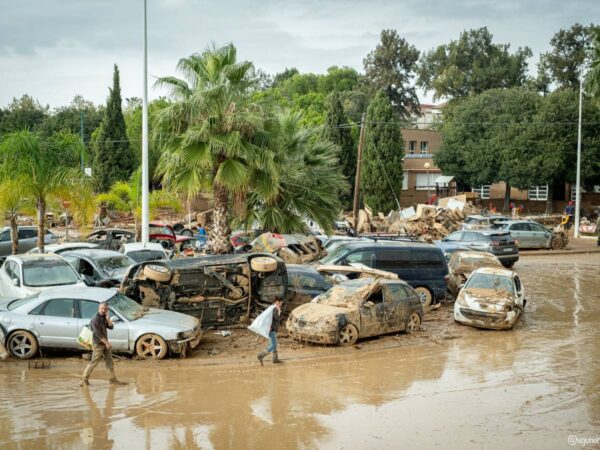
[346, 294]
[499, 283]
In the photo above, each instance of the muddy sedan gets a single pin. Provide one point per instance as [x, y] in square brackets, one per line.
[463, 263]
[492, 298]
[357, 309]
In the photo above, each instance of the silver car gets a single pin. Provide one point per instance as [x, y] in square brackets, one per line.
[27, 239]
[54, 319]
[529, 234]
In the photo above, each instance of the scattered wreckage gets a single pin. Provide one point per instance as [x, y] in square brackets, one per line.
[463, 263]
[492, 298]
[291, 248]
[218, 289]
[357, 309]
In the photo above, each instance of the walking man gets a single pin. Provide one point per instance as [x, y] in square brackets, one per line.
[102, 347]
[273, 335]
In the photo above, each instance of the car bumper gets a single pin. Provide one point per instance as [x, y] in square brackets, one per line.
[308, 333]
[181, 346]
[490, 321]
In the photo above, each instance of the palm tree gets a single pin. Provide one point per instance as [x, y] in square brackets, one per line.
[12, 202]
[214, 134]
[43, 165]
[309, 184]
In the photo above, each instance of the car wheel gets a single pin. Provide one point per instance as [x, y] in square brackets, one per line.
[414, 323]
[425, 295]
[508, 265]
[557, 243]
[151, 346]
[157, 273]
[186, 232]
[348, 335]
[22, 344]
[263, 264]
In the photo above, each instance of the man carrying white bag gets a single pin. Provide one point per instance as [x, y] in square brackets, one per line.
[266, 325]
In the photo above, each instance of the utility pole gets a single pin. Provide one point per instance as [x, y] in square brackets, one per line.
[578, 178]
[145, 181]
[82, 139]
[358, 167]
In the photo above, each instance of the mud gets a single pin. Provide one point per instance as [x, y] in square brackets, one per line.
[448, 386]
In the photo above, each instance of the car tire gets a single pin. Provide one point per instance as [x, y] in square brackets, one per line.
[348, 335]
[414, 323]
[151, 346]
[508, 265]
[158, 273]
[263, 264]
[22, 344]
[186, 232]
[425, 295]
[557, 243]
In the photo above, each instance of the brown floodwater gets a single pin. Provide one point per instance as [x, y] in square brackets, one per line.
[530, 387]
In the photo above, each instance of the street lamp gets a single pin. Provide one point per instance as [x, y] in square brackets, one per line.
[145, 181]
[427, 166]
[578, 177]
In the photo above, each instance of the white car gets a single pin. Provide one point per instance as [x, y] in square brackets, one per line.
[54, 319]
[23, 275]
[152, 251]
[491, 298]
[65, 246]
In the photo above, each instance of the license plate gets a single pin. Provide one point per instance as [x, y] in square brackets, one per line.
[506, 250]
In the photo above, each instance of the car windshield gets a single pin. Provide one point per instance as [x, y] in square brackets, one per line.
[22, 301]
[334, 254]
[146, 255]
[49, 273]
[345, 294]
[155, 229]
[115, 264]
[489, 281]
[126, 307]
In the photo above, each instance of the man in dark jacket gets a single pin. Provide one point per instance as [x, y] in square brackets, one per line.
[102, 347]
[273, 335]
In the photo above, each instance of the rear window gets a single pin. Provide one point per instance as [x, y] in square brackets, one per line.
[502, 238]
[146, 255]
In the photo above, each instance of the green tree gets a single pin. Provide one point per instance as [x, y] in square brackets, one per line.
[283, 76]
[381, 177]
[487, 139]
[308, 182]
[338, 131]
[113, 158]
[593, 76]
[570, 50]
[24, 113]
[215, 133]
[47, 165]
[391, 67]
[472, 65]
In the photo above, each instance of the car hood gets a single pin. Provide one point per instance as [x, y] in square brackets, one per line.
[487, 300]
[161, 318]
[30, 290]
[316, 312]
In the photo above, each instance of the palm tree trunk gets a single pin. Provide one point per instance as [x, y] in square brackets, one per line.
[220, 229]
[14, 234]
[41, 212]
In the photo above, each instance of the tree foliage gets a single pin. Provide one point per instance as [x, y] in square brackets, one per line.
[391, 67]
[593, 75]
[113, 158]
[24, 113]
[381, 177]
[472, 65]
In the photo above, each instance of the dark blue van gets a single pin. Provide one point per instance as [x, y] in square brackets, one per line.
[421, 265]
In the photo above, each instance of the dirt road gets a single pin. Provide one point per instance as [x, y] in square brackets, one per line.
[447, 387]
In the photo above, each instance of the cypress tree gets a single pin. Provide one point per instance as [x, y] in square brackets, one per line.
[334, 117]
[113, 157]
[381, 174]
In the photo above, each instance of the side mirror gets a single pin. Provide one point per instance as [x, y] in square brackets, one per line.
[115, 319]
[16, 282]
[89, 281]
[462, 285]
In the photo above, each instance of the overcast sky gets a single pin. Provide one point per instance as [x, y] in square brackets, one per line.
[55, 49]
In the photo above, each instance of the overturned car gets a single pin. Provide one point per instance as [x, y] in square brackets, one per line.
[219, 290]
[356, 309]
[291, 248]
[492, 298]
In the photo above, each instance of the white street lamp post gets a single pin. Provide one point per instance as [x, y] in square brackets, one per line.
[427, 166]
[145, 181]
[578, 177]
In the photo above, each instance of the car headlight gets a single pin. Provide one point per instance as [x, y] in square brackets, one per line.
[460, 300]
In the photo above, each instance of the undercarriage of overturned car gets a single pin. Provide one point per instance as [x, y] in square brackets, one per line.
[220, 290]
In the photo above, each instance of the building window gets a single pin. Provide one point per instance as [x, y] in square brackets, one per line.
[424, 181]
[538, 193]
[483, 191]
[404, 180]
[424, 147]
[412, 147]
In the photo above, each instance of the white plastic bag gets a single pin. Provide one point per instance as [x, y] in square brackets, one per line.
[262, 324]
[86, 338]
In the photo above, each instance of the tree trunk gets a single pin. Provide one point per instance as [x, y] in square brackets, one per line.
[14, 234]
[550, 198]
[506, 198]
[41, 212]
[220, 231]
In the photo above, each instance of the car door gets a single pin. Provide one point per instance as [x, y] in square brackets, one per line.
[5, 243]
[395, 295]
[520, 292]
[27, 239]
[539, 236]
[374, 314]
[10, 280]
[118, 336]
[56, 323]
[519, 232]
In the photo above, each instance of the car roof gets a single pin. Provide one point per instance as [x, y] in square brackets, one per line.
[94, 253]
[33, 257]
[138, 246]
[485, 232]
[83, 293]
[494, 271]
[394, 243]
[510, 222]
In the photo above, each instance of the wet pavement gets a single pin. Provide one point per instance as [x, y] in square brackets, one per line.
[531, 387]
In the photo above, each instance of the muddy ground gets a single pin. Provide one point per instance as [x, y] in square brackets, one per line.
[448, 386]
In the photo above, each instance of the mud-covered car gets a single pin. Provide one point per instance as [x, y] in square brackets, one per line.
[492, 298]
[463, 263]
[218, 289]
[291, 248]
[357, 309]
